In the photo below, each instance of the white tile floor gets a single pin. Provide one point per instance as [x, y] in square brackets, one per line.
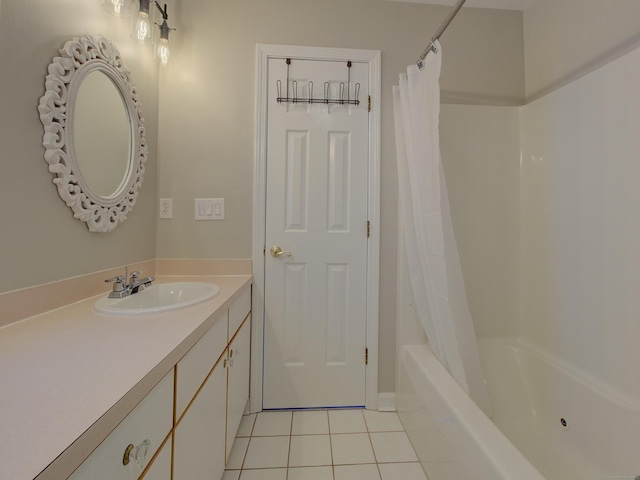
[323, 445]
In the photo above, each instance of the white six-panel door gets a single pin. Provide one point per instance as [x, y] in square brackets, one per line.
[316, 210]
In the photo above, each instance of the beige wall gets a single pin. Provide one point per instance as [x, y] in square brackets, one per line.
[40, 239]
[207, 107]
[480, 148]
[565, 39]
[206, 121]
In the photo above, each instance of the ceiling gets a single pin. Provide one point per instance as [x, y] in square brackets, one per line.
[500, 4]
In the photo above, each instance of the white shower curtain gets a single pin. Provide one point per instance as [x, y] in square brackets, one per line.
[434, 266]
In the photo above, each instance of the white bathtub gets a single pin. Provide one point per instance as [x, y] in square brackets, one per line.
[531, 392]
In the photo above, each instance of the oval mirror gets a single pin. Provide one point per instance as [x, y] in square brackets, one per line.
[94, 135]
[101, 135]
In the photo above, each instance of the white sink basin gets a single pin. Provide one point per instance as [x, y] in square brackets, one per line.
[161, 297]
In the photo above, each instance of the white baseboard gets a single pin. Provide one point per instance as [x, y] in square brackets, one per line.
[387, 402]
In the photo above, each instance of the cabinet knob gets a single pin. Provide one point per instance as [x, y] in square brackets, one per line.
[137, 453]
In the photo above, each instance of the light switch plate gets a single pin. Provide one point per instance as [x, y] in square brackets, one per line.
[209, 208]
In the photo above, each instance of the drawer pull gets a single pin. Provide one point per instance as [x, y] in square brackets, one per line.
[139, 453]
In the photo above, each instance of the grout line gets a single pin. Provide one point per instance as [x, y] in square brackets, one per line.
[253, 425]
[377, 463]
[333, 467]
[246, 452]
[286, 473]
[373, 450]
[244, 457]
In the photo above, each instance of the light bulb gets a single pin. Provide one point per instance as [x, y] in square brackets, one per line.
[118, 8]
[143, 28]
[163, 52]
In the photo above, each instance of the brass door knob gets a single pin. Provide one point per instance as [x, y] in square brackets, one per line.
[276, 251]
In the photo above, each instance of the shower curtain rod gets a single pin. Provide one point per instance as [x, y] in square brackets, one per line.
[432, 44]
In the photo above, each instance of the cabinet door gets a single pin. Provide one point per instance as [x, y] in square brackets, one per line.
[199, 437]
[150, 422]
[238, 383]
[198, 362]
[160, 469]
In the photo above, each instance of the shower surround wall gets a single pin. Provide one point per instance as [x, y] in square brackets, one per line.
[546, 207]
[581, 224]
[545, 202]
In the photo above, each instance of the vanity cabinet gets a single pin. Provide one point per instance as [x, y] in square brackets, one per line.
[190, 429]
[238, 366]
[195, 366]
[200, 435]
[201, 381]
[145, 429]
[216, 370]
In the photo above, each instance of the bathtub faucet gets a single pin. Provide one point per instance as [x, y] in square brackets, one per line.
[123, 285]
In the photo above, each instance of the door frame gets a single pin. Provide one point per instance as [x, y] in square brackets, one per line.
[372, 57]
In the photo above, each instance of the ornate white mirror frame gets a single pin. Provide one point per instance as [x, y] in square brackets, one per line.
[79, 57]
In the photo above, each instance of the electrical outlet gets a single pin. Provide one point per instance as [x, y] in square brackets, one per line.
[166, 208]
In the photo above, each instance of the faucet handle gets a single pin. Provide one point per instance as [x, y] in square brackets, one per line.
[118, 283]
[117, 278]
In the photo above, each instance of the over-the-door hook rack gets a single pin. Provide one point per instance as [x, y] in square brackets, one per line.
[292, 89]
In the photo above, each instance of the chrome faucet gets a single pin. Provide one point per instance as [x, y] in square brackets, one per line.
[136, 283]
[123, 285]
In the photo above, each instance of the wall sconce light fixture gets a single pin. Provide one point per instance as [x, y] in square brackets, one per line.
[142, 29]
[141, 24]
[163, 53]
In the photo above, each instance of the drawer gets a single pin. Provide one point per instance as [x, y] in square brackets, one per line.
[239, 311]
[194, 367]
[151, 420]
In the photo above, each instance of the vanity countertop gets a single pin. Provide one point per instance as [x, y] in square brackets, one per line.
[69, 376]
